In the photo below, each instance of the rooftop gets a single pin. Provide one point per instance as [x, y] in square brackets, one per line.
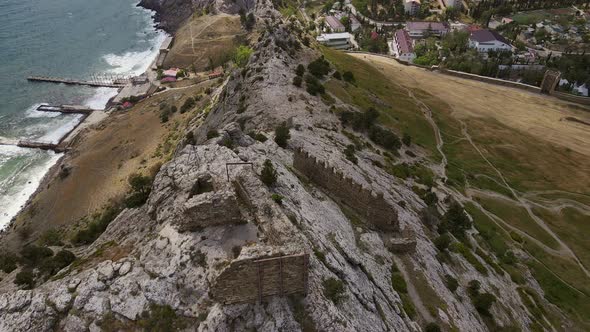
[427, 25]
[332, 36]
[482, 36]
[334, 23]
[404, 42]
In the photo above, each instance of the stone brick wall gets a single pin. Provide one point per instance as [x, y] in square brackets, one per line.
[209, 209]
[253, 279]
[364, 201]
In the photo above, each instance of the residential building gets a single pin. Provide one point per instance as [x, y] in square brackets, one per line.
[403, 46]
[354, 23]
[453, 3]
[488, 40]
[412, 7]
[340, 41]
[334, 24]
[421, 29]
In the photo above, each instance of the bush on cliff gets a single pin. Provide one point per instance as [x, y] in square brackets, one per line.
[96, 226]
[242, 55]
[161, 318]
[319, 67]
[334, 290]
[58, 262]
[141, 186]
[25, 279]
[300, 70]
[314, 86]
[33, 255]
[282, 135]
[455, 221]
[297, 81]
[8, 262]
[268, 174]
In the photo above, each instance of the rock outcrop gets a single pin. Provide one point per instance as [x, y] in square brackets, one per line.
[207, 225]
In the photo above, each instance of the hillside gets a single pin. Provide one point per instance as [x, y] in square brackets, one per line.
[316, 190]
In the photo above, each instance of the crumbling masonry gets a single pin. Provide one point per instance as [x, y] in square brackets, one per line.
[365, 202]
[253, 279]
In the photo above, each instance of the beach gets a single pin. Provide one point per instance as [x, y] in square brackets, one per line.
[128, 52]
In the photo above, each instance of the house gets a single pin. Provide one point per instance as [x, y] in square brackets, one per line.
[488, 40]
[334, 24]
[339, 41]
[507, 20]
[412, 7]
[172, 72]
[354, 23]
[454, 3]
[420, 29]
[403, 46]
[217, 72]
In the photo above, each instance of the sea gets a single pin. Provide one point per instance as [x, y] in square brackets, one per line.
[62, 38]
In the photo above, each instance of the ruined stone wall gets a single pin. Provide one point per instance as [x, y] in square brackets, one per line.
[252, 280]
[364, 201]
[209, 209]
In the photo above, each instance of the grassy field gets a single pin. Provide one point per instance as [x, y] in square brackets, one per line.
[490, 133]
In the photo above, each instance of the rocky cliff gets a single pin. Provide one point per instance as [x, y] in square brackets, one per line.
[210, 217]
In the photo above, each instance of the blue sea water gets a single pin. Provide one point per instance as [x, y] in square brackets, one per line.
[63, 38]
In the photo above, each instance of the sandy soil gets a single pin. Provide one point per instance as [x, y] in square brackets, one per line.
[202, 38]
[101, 158]
[538, 115]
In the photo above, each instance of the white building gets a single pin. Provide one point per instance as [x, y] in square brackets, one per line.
[420, 29]
[340, 41]
[403, 47]
[488, 40]
[412, 7]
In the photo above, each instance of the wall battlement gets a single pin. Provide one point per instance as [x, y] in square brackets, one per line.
[369, 204]
[253, 279]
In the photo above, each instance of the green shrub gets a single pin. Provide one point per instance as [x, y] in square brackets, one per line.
[398, 283]
[50, 237]
[384, 137]
[348, 76]
[25, 279]
[268, 174]
[320, 255]
[277, 198]
[473, 287]
[8, 262]
[242, 55]
[407, 139]
[313, 85]
[455, 221]
[483, 302]
[432, 327]
[282, 135]
[212, 133]
[443, 241]
[297, 81]
[96, 226]
[33, 255]
[334, 290]
[188, 104]
[62, 259]
[141, 186]
[260, 137]
[349, 152]
[451, 283]
[173, 109]
[319, 67]
[337, 75]
[300, 70]
[408, 306]
[509, 258]
[161, 318]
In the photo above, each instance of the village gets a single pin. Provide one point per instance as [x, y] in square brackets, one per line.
[517, 46]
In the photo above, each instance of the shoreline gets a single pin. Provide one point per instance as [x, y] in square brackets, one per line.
[73, 136]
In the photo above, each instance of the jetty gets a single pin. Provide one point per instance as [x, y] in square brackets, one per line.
[67, 109]
[114, 83]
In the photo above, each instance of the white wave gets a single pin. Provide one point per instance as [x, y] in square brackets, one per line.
[54, 136]
[100, 98]
[15, 192]
[135, 63]
[32, 112]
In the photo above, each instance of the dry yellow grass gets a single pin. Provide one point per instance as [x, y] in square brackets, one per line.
[202, 38]
[535, 114]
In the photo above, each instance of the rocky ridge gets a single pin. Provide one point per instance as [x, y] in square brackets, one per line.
[168, 254]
